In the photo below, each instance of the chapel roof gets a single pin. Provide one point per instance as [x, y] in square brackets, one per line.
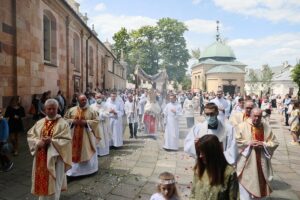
[218, 51]
[225, 69]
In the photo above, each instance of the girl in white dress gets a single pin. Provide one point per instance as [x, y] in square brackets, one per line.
[166, 189]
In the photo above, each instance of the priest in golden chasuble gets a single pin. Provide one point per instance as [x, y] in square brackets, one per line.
[256, 143]
[237, 118]
[84, 125]
[49, 142]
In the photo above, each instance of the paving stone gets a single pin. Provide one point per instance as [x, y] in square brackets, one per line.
[132, 171]
[142, 171]
[115, 197]
[145, 164]
[126, 190]
[143, 197]
[135, 180]
[149, 188]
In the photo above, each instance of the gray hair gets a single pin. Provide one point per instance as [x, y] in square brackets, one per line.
[51, 102]
[254, 110]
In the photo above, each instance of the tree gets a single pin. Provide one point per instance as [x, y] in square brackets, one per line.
[121, 39]
[172, 47]
[253, 79]
[196, 54]
[295, 75]
[144, 51]
[266, 77]
[186, 83]
[154, 48]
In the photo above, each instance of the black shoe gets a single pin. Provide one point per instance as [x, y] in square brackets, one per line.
[8, 167]
[135, 137]
[131, 137]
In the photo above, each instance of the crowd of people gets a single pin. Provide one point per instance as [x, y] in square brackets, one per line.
[232, 147]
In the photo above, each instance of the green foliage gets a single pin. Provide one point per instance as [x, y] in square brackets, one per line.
[196, 54]
[253, 79]
[144, 51]
[172, 47]
[175, 85]
[186, 83]
[296, 76]
[121, 39]
[154, 48]
[266, 77]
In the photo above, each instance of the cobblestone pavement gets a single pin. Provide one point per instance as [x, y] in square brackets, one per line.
[132, 171]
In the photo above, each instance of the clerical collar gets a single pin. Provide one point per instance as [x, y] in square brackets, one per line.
[212, 127]
[54, 118]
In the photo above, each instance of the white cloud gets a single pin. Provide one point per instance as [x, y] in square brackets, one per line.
[273, 10]
[241, 42]
[100, 7]
[106, 24]
[196, 1]
[272, 50]
[201, 26]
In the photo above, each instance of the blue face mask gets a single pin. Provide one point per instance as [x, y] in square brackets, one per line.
[212, 120]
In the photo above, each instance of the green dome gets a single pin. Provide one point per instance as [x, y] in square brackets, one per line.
[225, 69]
[218, 51]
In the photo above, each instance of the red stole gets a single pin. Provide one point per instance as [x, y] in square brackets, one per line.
[258, 134]
[77, 137]
[41, 180]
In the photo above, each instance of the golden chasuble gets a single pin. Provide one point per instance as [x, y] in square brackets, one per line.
[245, 117]
[258, 134]
[77, 137]
[41, 172]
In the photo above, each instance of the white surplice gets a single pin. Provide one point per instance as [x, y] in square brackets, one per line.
[172, 128]
[116, 122]
[222, 104]
[225, 133]
[103, 145]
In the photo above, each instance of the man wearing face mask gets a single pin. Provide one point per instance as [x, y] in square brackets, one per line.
[212, 125]
[171, 113]
[188, 110]
[84, 124]
[103, 114]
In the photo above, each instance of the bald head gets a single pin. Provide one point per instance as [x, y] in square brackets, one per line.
[82, 100]
[256, 115]
[249, 105]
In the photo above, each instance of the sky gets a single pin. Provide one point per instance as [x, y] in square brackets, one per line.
[259, 31]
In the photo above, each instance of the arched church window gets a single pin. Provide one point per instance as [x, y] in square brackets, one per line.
[49, 36]
[91, 61]
[76, 52]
